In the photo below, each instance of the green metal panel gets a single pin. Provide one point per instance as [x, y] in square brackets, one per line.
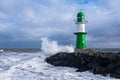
[81, 17]
[80, 14]
[81, 40]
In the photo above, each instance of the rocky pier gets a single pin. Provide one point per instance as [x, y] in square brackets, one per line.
[98, 63]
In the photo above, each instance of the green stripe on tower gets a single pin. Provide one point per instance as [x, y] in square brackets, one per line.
[81, 40]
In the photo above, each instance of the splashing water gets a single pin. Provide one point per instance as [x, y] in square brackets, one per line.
[32, 66]
[52, 47]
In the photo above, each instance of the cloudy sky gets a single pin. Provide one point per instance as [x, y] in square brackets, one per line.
[24, 22]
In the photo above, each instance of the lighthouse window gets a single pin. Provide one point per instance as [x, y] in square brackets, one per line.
[79, 17]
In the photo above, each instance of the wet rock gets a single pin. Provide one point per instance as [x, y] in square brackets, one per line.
[98, 63]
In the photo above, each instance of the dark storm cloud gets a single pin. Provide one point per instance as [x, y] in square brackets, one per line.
[20, 44]
[4, 37]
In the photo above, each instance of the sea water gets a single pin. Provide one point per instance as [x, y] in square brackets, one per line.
[29, 64]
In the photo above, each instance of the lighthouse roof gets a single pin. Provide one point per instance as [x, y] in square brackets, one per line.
[80, 14]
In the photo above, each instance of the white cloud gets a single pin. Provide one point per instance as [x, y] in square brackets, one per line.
[3, 15]
[33, 19]
[4, 26]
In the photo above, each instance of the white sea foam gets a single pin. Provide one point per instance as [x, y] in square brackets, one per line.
[1, 50]
[32, 66]
[52, 47]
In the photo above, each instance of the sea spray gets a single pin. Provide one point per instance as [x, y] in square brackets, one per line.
[52, 47]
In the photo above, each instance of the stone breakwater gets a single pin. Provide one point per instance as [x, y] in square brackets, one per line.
[98, 63]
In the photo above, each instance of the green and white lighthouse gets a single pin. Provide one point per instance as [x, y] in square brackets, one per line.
[81, 33]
